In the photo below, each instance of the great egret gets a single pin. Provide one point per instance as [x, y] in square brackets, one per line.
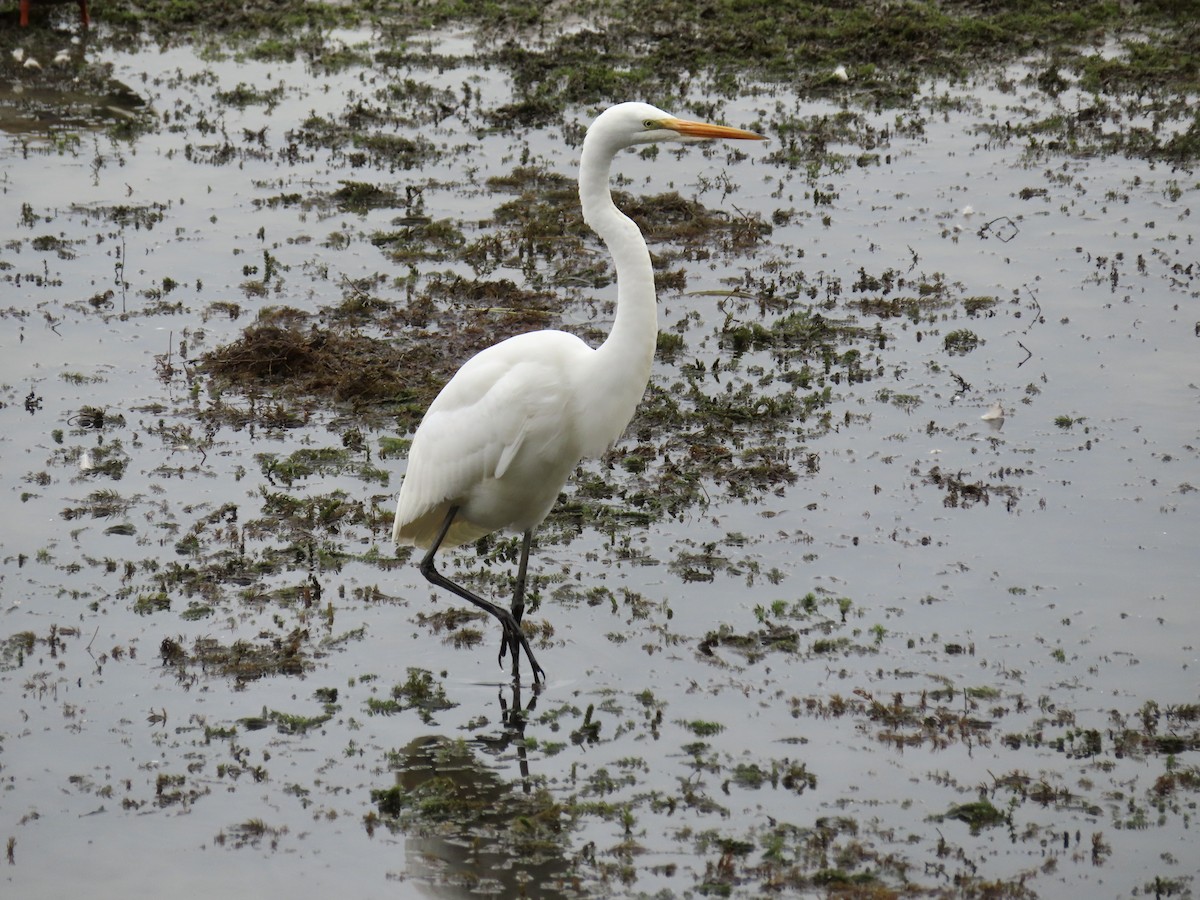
[499, 441]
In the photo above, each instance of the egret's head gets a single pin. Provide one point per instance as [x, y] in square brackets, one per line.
[627, 124]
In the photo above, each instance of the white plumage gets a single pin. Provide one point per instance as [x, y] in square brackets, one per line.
[500, 440]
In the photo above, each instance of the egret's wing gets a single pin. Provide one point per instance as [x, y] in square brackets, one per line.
[476, 426]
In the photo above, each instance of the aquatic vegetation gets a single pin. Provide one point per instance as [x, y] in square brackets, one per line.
[419, 692]
[794, 553]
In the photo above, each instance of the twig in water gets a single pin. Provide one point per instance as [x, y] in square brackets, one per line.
[1038, 315]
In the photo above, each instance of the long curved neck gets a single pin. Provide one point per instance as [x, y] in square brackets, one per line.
[629, 347]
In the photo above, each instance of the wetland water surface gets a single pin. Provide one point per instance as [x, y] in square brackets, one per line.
[815, 624]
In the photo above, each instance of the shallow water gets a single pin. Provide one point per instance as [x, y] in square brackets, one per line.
[1067, 606]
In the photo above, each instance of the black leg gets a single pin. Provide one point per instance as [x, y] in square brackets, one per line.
[511, 624]
[518, 601]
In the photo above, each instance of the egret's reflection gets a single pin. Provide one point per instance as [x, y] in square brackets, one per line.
[471, 826]
[994, 417]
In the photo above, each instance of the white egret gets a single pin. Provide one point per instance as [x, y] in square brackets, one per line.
[499, 441]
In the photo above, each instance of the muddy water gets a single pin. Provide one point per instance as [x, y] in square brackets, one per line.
[1020, 622]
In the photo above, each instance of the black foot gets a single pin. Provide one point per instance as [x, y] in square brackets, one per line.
[514, 639]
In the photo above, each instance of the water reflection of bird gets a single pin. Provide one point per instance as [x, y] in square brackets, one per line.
[499, 441]
[994, 416]
[84, 18]
[469, 829]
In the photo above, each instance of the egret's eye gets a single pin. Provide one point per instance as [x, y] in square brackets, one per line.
[650, 124]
